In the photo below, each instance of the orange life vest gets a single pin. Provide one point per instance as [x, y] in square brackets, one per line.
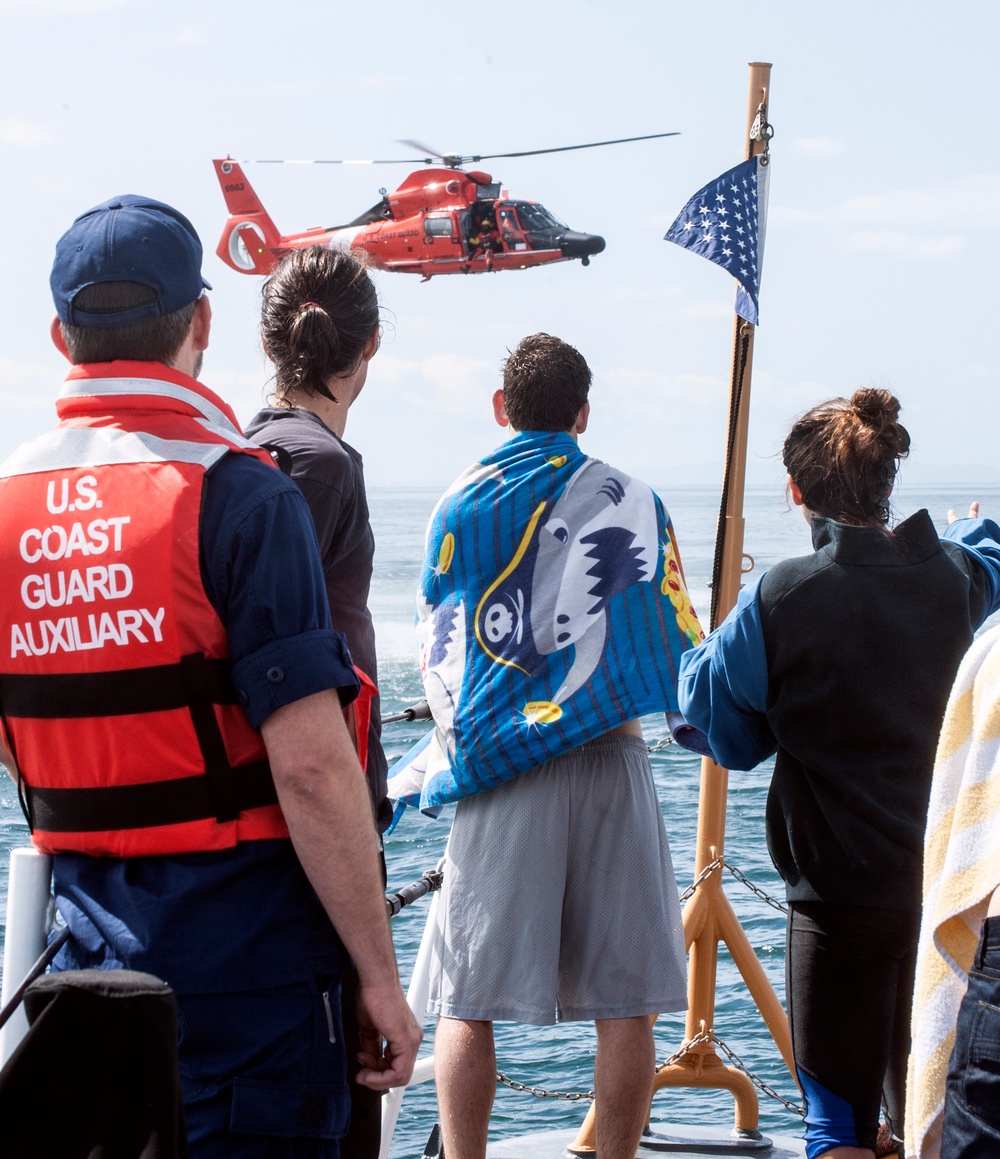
[115, 693]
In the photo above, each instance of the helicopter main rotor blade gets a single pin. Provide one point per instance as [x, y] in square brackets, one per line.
[569, 148]
[454, 160]
[324, 161]
[421, 148]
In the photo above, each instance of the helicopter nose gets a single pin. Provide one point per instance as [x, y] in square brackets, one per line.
[580, 245]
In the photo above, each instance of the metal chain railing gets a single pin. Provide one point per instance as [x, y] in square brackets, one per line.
[740, 876]
[541, 1092]
[737, 1062]
[795, 1108]
[702, 1036]
[706, 872]
[575, 1096]
[744, 880]
[659, 745]
[699, 1038]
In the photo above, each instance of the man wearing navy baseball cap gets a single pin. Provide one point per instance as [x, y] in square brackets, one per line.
[166, 702]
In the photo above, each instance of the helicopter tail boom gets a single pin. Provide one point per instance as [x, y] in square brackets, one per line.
[250, 238]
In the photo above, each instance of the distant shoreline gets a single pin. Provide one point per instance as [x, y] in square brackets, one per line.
[912, 476]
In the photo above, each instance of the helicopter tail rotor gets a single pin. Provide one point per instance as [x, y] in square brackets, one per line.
[249, 238]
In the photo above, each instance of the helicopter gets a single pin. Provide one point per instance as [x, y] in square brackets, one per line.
[444, 219]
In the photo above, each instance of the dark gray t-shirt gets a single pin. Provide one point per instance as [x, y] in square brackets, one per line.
[330, 474]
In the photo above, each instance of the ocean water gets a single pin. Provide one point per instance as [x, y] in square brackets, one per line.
[561, 1058]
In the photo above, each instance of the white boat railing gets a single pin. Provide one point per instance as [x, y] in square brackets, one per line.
[416, 998]
[29, 919]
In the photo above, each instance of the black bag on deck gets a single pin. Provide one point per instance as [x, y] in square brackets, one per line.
[96, 1075]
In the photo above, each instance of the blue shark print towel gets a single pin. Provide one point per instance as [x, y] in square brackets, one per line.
[551, 609]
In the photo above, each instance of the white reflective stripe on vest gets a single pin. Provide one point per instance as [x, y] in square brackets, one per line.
[230, 433]
[68, 447]
[109, 387]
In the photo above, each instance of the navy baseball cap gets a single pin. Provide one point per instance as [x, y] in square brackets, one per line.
[128, 239]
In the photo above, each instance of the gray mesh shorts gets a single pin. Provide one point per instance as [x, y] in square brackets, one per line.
[559, 898]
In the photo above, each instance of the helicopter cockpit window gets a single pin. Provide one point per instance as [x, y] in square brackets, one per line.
[437, 226]
[510, 229]
[536, 218]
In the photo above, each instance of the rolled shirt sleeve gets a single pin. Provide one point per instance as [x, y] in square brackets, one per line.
[723, 687]
[262, 573]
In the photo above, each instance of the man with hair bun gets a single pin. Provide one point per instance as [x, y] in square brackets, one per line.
[551, 615]
[171, 700]
[840, 663]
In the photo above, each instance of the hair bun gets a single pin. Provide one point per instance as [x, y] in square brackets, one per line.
[875, 407]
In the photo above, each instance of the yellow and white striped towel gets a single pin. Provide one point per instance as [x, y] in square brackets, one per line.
[961, 871]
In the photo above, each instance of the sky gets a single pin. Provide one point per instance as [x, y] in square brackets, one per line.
[882, 237]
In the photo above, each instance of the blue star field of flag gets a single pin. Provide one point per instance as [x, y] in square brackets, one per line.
[723, 222]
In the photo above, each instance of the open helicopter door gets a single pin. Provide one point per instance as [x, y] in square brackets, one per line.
[511, 233]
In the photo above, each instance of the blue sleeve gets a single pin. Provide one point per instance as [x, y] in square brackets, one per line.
[262, 573]
[723, 687]
[980, 540]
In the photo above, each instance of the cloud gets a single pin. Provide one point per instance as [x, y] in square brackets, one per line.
[818, 147]
[67, 184]
[912, 245]
[233, 382]
[377, 81]
[651, 294]
[23, 134]
[189, 35]
[699, 311]
[655, 394]
[64, 7]
[446, 383]
[246, 392]
[27, 400]
[28, 387]
[965, 199]
[932, 222]
[657, 220]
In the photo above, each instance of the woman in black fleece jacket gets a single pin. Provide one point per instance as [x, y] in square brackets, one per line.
[840, 662]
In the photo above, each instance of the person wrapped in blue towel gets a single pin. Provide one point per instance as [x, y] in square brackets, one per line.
[552, 613]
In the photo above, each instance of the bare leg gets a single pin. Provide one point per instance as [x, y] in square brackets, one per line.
[847, 1153]
[465, 1071]
[623, 1083]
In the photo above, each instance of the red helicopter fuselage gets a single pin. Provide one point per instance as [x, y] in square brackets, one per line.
[439, 221]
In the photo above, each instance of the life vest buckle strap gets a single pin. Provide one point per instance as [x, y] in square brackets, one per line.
[220, 775]
[127, 692]
[207, 679]
[120, 807]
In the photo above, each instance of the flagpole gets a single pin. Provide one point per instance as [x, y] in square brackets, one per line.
[708, 916]
[729, 557]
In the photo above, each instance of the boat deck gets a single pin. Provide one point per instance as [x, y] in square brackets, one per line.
[681, 1140]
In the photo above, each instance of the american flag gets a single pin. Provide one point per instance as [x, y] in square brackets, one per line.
[725, 223]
